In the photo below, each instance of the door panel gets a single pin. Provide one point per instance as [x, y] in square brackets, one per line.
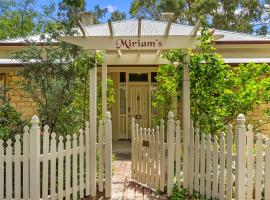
[138, 104]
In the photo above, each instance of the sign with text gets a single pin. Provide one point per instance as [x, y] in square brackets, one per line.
[138, 44]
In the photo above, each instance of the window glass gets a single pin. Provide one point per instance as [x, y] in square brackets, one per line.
[122, 77]
[122, 99]
[153, 77]
[138, 77]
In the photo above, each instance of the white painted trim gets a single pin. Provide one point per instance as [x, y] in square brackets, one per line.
[109, 43]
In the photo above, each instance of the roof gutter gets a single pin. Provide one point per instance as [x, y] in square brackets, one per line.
[16, 44]
[243, 42]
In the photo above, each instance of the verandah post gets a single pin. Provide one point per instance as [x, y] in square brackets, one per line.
[186, 120]
[240, 157]
[34, 159]
[93, 129]
[170, 146]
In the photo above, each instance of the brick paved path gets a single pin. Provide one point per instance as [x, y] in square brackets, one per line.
[125, 189]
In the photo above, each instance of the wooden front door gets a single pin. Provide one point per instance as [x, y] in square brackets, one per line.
[138, 104]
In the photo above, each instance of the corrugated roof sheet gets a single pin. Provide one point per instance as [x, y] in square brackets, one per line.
[148, 28]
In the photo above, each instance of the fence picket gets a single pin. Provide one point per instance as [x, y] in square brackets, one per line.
[140, 154]
[81, 158]
[202, 165]
[250, 162]
[67, 168]
[197, 161]
[26, 163]
[267, 171]
[152, 155]
[144, 156]
[157, 164]
[178, 152]
[191, 160]
[101, 156]
[17, 167]
[215, 168]
[53, 167]
[9, 174]
[74, 167]
[208, 166]
[108, 154]
[148, 164]
[259, 169]
[229, 163]
[45, 163]
[136, 156]
[60, 168]
[162, 156]
[2, 183]
[222, 167]
[133, 148]
[87, 159]
[170, 152]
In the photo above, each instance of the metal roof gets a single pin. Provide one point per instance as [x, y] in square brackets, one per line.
[148, 28]
[151, 28]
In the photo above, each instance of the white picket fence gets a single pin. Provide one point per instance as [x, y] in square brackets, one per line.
[41, 165]
[231, 166]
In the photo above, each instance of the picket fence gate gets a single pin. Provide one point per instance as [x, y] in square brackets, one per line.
[41, 165]
[230, 166]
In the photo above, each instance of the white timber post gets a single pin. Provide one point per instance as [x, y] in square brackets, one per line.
[240, 157]
[108, 154]
[186, 119]
[170, 164]
[93, 129]
[34, 159]
[104, 85]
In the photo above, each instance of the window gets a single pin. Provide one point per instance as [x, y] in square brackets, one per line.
[122, 99]
[122, 77]
[138, 77]
[153, 77]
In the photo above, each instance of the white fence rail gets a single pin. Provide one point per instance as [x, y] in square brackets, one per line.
[231, 166]
[42, 165]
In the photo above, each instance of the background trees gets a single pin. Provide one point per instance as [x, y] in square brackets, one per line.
[237, 15]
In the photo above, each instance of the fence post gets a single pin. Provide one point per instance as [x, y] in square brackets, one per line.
[34, 159]
[240, 156]
[170, 145]
[108, 154]
[132, 147]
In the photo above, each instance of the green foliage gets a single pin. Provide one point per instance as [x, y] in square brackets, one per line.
[110, 97]
[118, 15]
[219, 92]
[167, 85]
[52, 76]
[10, 120]
[182, 194]
[17, 18]
[242, 16]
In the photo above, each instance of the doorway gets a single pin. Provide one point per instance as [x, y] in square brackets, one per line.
[136, 95]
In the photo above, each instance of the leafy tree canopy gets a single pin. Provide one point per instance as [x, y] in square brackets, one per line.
[17, 18]
[219, 92]
[236, 15]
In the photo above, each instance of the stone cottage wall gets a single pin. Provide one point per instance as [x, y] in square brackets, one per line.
[20, 100]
